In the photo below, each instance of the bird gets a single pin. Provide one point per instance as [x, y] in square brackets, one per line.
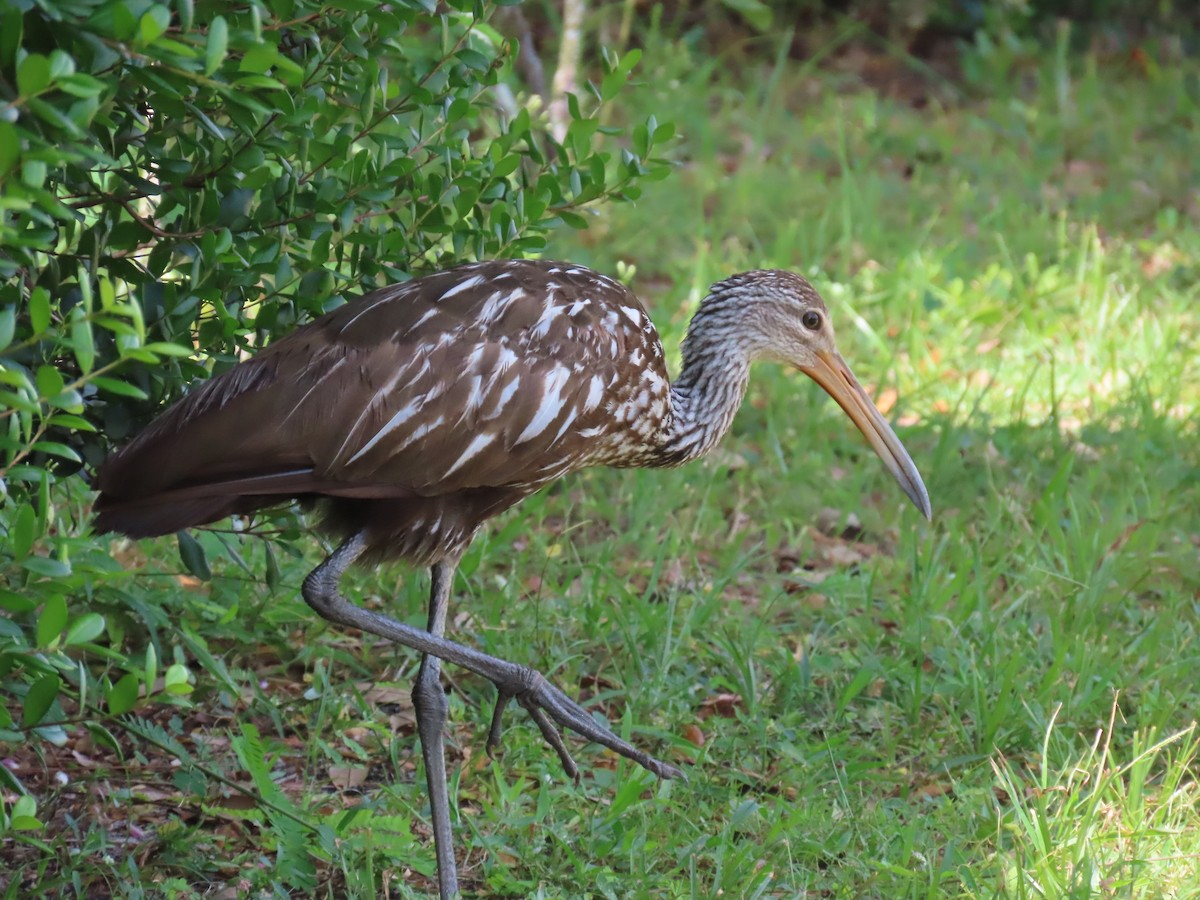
[410, 416]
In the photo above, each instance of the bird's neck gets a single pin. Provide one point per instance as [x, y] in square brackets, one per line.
[704, 399]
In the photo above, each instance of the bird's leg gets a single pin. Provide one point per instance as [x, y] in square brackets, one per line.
[429, 702]
[546, 703]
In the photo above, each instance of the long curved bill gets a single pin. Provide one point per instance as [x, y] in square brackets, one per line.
[832, 373]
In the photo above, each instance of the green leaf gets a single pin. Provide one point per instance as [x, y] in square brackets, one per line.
[49, 381]
[42, 693]
[18, 378]
[116, 386]
[16, 603]
[33, 171]
[67, 420]
[33, 75]
[70, 400]
[473, 59]
[616, 78]
[176, 680]
[216, 46]
[641, 140]
[39, 310]
[51, 621]
[46, 566]
[108, 297]
[24, 814]
[86, 628]
[258, 60]
[140, 354]
[857, 685]
[10, 147]
[23, 531]
[191, 554]
[81, 340]
[104, 737]
[150, 669]
[574, 220]
[81, 85]
[123, 23]
[187, 14]
[11, 24]
[19, 402]
[250, 751]
[123, 695]
[61, 65]
[506, 165]
[153, 23]
[162, 348]
[263, 82]
[57, 448]
[612, 84]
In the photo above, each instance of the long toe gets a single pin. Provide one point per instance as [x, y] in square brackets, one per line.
[554, 738]
[494, 748]
[541, 694]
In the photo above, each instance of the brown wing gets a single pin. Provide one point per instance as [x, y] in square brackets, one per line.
[485, 375]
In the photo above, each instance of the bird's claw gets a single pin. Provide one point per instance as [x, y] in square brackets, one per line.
[553, 737]
[551, 734]
[549, 705]
[494, 749]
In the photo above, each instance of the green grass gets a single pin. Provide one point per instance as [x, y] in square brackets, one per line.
[999, 703]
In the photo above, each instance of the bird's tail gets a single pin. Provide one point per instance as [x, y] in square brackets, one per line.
[152, 516]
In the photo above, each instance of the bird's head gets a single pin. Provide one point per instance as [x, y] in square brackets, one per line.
[777, 315]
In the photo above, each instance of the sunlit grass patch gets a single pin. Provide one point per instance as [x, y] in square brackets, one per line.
[1099, 819]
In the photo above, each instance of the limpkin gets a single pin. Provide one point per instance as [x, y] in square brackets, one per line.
[417, 412]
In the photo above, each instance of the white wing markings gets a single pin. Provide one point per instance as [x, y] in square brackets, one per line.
[316, 384]
[549, 314]
[477, 444]
[386, 295]
[475, 398]
[497, 303]
[595, 393]
[402, 415]
[506, 395]
[418, 433]
[425, 317]
[550, 407]
[465, 285]
[571, 414]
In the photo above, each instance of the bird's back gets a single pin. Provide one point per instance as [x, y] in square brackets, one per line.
[463, 390]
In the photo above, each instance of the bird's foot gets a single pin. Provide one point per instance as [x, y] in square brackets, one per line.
[548, 705]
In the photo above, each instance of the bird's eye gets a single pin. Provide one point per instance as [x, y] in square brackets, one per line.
[811, 320]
